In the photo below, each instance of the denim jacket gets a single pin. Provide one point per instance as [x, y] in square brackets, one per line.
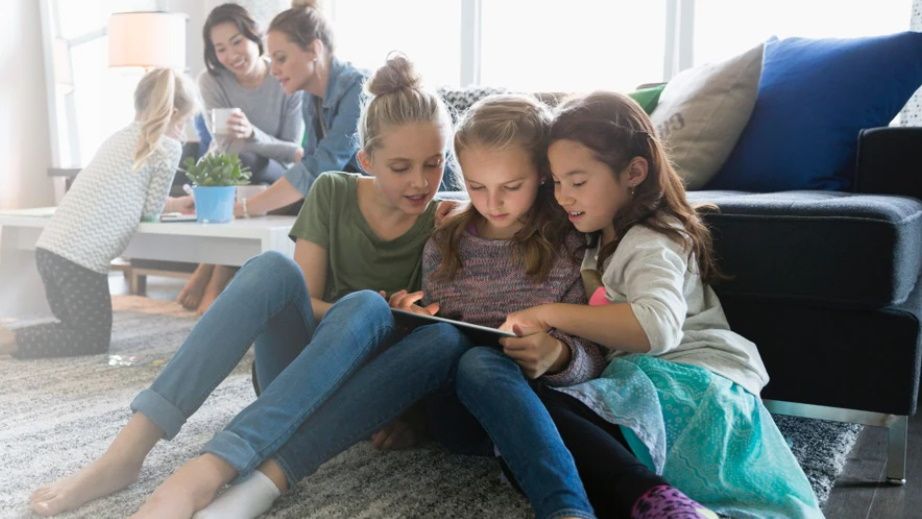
[340, 109]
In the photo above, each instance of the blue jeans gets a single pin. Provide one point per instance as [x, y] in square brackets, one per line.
[267, 302]
[419, 364]
[492, 387]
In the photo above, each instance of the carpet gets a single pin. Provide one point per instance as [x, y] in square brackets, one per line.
[57, 415]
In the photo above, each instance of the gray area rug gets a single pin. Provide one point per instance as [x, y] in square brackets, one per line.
[57, 415]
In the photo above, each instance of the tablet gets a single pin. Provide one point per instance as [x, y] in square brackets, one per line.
[479, 335]
[177, 217]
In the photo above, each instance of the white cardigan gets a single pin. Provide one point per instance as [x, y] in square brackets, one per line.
[681, 316]
[107, 200]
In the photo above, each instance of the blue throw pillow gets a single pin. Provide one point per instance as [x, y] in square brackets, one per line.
[814, 97]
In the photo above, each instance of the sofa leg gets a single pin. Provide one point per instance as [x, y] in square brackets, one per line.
[897, 438]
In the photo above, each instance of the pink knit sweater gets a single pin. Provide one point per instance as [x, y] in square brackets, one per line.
[492, 284]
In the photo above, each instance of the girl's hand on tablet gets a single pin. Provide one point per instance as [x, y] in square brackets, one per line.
[529, 321]
[407, 301]
[536, 353]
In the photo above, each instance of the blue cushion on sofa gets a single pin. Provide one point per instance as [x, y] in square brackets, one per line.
[814, 97]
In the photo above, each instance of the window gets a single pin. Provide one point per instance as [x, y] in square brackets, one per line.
[576, 45]
[724, 28]
[91, 100]
[428, 32]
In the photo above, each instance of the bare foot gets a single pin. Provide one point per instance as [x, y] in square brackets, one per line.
[191, 295]
[7, 341]
[104, 476]
[113, 471]
[219, 279]
[188, 490]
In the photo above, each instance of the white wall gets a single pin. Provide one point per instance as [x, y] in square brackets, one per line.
[24, 155]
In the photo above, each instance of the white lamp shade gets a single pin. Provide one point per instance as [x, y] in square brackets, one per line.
[147, 39]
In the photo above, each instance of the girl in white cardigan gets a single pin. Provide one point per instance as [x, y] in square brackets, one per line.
[126, 182]
[679, 401]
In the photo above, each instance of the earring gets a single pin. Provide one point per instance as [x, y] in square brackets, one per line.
[631, 191]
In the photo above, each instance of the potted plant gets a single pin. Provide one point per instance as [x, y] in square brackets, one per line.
[215, 178]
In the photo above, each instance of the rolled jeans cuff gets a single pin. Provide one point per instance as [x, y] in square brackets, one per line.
[236, 451]
[159, 410]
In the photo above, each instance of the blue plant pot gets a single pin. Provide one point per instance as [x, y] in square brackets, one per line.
[214, 204]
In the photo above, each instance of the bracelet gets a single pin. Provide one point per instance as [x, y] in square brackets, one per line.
[243, 203]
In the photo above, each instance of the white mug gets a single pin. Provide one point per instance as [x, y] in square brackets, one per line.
[219, 117]
[248, 191]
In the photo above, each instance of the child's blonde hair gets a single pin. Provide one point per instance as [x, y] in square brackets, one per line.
[500, 122]
[162, 97]
[397, 97]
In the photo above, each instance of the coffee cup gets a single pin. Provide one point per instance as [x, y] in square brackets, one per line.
[250, 190]
[219, 119]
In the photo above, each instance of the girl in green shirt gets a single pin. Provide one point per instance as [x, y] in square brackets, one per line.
[354, 232]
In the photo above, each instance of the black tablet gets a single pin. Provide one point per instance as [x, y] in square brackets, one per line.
[479, 335]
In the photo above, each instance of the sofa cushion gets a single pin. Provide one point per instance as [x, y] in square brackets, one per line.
[853, 358]
[458, 100]
[648, 96]
[831, 248]
[702, 112]
[814, 97]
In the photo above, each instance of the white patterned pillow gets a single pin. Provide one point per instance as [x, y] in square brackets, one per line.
[458, 100]
[702, 113]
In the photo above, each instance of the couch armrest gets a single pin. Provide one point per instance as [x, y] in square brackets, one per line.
[889, 161]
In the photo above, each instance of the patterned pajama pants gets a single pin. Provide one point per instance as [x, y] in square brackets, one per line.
[80, 299]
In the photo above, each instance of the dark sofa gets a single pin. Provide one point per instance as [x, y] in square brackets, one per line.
[826, 283]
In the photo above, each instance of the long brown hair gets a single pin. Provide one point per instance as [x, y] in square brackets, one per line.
[499, 122]
[617, 130]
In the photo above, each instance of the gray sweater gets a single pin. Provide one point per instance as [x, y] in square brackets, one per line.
[275, 115]
[493, 283]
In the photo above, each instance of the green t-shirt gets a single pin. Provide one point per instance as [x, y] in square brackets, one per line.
[356, 258]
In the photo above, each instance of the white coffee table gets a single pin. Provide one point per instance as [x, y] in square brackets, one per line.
[22, 294]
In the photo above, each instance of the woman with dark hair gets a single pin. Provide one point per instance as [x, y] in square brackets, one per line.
[300, 44]
[264, 129]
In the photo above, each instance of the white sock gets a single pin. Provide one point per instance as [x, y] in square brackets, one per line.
[245, 500]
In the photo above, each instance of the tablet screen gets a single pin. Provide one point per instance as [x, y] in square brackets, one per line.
[479, 335]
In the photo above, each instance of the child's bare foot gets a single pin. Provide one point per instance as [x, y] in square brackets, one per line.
[191, 295]
[104, 476]
[7, 341]
[397, 435]
[113, 471]
[219, 279]
[189, 489]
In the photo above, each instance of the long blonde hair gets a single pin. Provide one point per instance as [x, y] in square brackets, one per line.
[500, 122]
[162, 97]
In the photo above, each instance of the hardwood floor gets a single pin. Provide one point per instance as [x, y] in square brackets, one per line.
[861, 491]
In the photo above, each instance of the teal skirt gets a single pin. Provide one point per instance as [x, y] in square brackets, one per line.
[704, 434]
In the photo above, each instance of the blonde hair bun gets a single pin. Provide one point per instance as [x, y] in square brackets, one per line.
[299, 4]
[395, 75]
